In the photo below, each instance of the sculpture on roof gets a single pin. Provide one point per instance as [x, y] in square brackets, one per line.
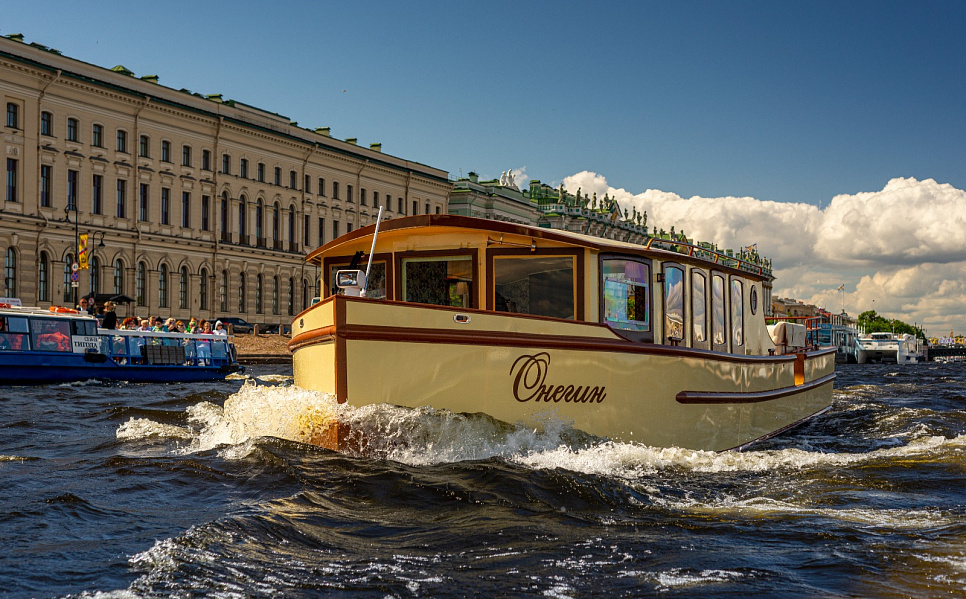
[506, 180]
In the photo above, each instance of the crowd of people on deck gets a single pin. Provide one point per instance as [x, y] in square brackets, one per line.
[152, 323]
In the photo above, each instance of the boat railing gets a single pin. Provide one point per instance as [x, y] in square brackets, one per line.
[708, 252]
[166, 349]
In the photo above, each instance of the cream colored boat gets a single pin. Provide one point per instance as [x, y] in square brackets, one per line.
[664, 344]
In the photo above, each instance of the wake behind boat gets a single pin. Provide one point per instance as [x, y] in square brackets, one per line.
[61, 345]
[664, 344]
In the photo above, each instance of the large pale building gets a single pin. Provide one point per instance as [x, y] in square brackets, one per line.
[193, 205]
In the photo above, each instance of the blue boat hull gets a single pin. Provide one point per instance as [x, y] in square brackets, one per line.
[36, 367]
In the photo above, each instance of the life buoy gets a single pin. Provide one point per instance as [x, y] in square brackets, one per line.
[62, 310]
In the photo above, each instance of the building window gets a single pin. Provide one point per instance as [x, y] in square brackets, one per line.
[163, 286]
[145, 194]
[241, 293]
[306, 234]
[278, 176]
[12, 180]
[362, 196]
[259, 219]
[144, 146]
[10, 272]
[291, 297]
[165, 206]
[68, 262]
[399, 202]
[72, 127]
[415, 208]
[121, 198]
[223, 292]
[205, 213]
[13, 115]
[224, 220]
[258, 294]
[118, 277]
[375, 199]
[335, 229]
[46, 180]
[291, 225]
[308, 184]
[46, 123]
[203, 289]
[348, 193]
[183, 288]
[206, 160]
[321, 231]
[260, 172]
[186, 209]
[321, 186]
[122, 141]
[243, 168]
[97, 136]
[275, 295]
[291, 179]
[335, 190]
[97, 194]
[165, 150]
[276, 216]
[139, 282]
[242, 224]
[43, 278]
[185, 155]
[226, 164]
[439, 210]
[95, 268]
[348, 227]
[305, 294]
[72, 190]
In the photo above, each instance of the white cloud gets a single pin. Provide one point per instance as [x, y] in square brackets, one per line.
[900, 251]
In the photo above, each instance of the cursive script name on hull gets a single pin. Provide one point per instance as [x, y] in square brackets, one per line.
[529, 383]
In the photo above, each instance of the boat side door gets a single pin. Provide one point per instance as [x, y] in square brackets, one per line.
[719, 315]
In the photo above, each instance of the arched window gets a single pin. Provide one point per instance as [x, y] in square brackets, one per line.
[241, 293]
[163, 286]
[274, 295]
[183, 288]
[95, 268]
[276, 217]
[203, 289]
[10, 273]
[291, 227]
[258, 294]
[140, 280]
[223, 292]
[291, 296]
[259, 219]
[118, 277]
[68, 290]
[43, 278]
[242, 228]
[225, 233]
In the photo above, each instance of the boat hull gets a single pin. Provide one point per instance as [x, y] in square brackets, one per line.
[522, 369]
[38, 368]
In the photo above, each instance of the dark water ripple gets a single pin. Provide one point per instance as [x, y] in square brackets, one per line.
[157, 491]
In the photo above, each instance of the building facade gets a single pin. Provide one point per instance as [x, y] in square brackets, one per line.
[193, 205]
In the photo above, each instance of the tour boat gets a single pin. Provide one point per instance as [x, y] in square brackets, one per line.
[877, 347]
[60, 345]
[663, 343]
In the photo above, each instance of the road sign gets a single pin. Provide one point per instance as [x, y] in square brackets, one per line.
[75, 266]
[74, 276]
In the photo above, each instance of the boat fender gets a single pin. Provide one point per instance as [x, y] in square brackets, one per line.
[95, 357]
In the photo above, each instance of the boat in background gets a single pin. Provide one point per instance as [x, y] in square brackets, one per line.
[910, 350]
[60, 345]
[663, 344]
[877, 347]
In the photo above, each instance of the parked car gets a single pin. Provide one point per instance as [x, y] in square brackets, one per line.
[268, 329]
[238, 326]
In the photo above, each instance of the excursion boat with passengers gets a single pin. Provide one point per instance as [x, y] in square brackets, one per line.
[60, 345]
[664, 344]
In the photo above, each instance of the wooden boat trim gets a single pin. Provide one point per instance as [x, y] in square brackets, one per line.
[729, 397]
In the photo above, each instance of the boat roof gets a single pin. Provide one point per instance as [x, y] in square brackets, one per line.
[673, 250]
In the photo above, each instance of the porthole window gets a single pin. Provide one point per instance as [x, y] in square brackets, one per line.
[754, 300]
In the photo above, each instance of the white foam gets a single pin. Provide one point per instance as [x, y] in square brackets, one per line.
[142, 428]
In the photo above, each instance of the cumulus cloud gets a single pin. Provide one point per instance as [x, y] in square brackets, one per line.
[900, 251]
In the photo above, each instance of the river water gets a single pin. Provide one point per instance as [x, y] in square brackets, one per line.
[204, 490]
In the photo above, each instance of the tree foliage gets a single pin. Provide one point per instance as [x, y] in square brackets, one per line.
[871, 322]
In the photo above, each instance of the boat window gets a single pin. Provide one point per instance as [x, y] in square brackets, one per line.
[626, 289]
[376, 285]
[754, 300]
[83, 327]
[13, 331]
[673, 303]
[438, 280]
[50, 334]
[699, 310]
[718, 336]
[737, 313]
[539, 285]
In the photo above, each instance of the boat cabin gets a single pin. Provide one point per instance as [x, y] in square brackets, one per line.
[671, 292]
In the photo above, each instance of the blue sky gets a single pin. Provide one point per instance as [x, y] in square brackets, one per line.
[830, 133]
[774, 100]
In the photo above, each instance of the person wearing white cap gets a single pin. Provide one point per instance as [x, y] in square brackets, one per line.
[220, 329]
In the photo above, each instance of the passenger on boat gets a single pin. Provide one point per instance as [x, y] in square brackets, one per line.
[220, 329]
[88, 306]
[110, 318]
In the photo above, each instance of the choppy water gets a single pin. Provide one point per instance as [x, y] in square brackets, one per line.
[206, 490]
